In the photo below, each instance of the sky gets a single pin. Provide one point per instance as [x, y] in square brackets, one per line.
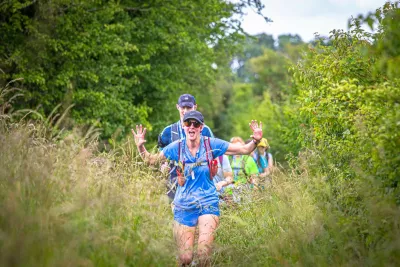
[305, 17]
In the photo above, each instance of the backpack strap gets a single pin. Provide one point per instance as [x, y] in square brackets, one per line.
[175, 132]
[209, 154]
[244, 163]
[221, 160]
[257, 159]
[181, 151]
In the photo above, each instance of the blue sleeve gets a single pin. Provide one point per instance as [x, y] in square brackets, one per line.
[207, 131]
[171, 151]
[164, 139]
[218, 146]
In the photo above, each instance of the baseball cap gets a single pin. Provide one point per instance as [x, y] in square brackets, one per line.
[263, 143]
[194, 114]
[186, 100]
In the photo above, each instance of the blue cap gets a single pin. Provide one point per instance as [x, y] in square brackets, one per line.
[195, 115]
[186, 100]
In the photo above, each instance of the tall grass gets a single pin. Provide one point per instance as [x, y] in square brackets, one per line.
[298, 221]
[64, 203]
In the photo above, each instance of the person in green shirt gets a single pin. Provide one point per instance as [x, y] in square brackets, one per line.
[245, 171]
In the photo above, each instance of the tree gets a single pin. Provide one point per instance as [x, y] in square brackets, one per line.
[349, 94]
[271, 74]
[285, 39]
[119, 62]
[253, 47]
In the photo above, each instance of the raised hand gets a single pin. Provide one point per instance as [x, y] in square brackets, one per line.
[139, 135]
[257, 130]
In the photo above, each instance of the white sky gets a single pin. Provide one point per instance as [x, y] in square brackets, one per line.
[305, 17]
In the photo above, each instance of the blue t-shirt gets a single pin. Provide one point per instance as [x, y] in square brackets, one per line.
[198, 190]
[170, 134]
[263, 163]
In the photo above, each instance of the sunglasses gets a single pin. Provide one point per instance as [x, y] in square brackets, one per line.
[195, 124]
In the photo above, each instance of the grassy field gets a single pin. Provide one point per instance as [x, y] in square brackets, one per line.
[63, 203]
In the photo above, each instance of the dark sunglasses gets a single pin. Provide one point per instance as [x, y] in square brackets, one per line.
[195, 124]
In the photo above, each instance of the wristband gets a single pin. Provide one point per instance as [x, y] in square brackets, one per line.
[256, 142]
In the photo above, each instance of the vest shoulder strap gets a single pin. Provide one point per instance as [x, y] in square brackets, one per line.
[181, 157]
[209, 154]
[221, 160]
[175, 132]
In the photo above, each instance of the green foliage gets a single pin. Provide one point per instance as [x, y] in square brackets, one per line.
[336, 205]
[63, 203]
[336, 111]
[253, 47]
[271, 75]
[348, 112]
[288, 39]
[345, 123]
[267, 95]
[294, 221]
[386, 40]
[120, 63]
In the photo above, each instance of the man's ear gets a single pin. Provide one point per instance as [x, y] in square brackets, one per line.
[194, 107]
[177, 106]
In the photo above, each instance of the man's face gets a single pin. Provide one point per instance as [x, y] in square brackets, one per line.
[183, 110]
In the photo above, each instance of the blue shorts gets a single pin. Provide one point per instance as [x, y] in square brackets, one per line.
[191, 217]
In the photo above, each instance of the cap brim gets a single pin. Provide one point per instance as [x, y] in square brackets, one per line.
[193, 118]
[186, 104]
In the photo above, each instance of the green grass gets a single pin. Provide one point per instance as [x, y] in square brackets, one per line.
[64, 203]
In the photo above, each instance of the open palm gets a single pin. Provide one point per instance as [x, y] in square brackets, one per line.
[257, 130]
[139, 135]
